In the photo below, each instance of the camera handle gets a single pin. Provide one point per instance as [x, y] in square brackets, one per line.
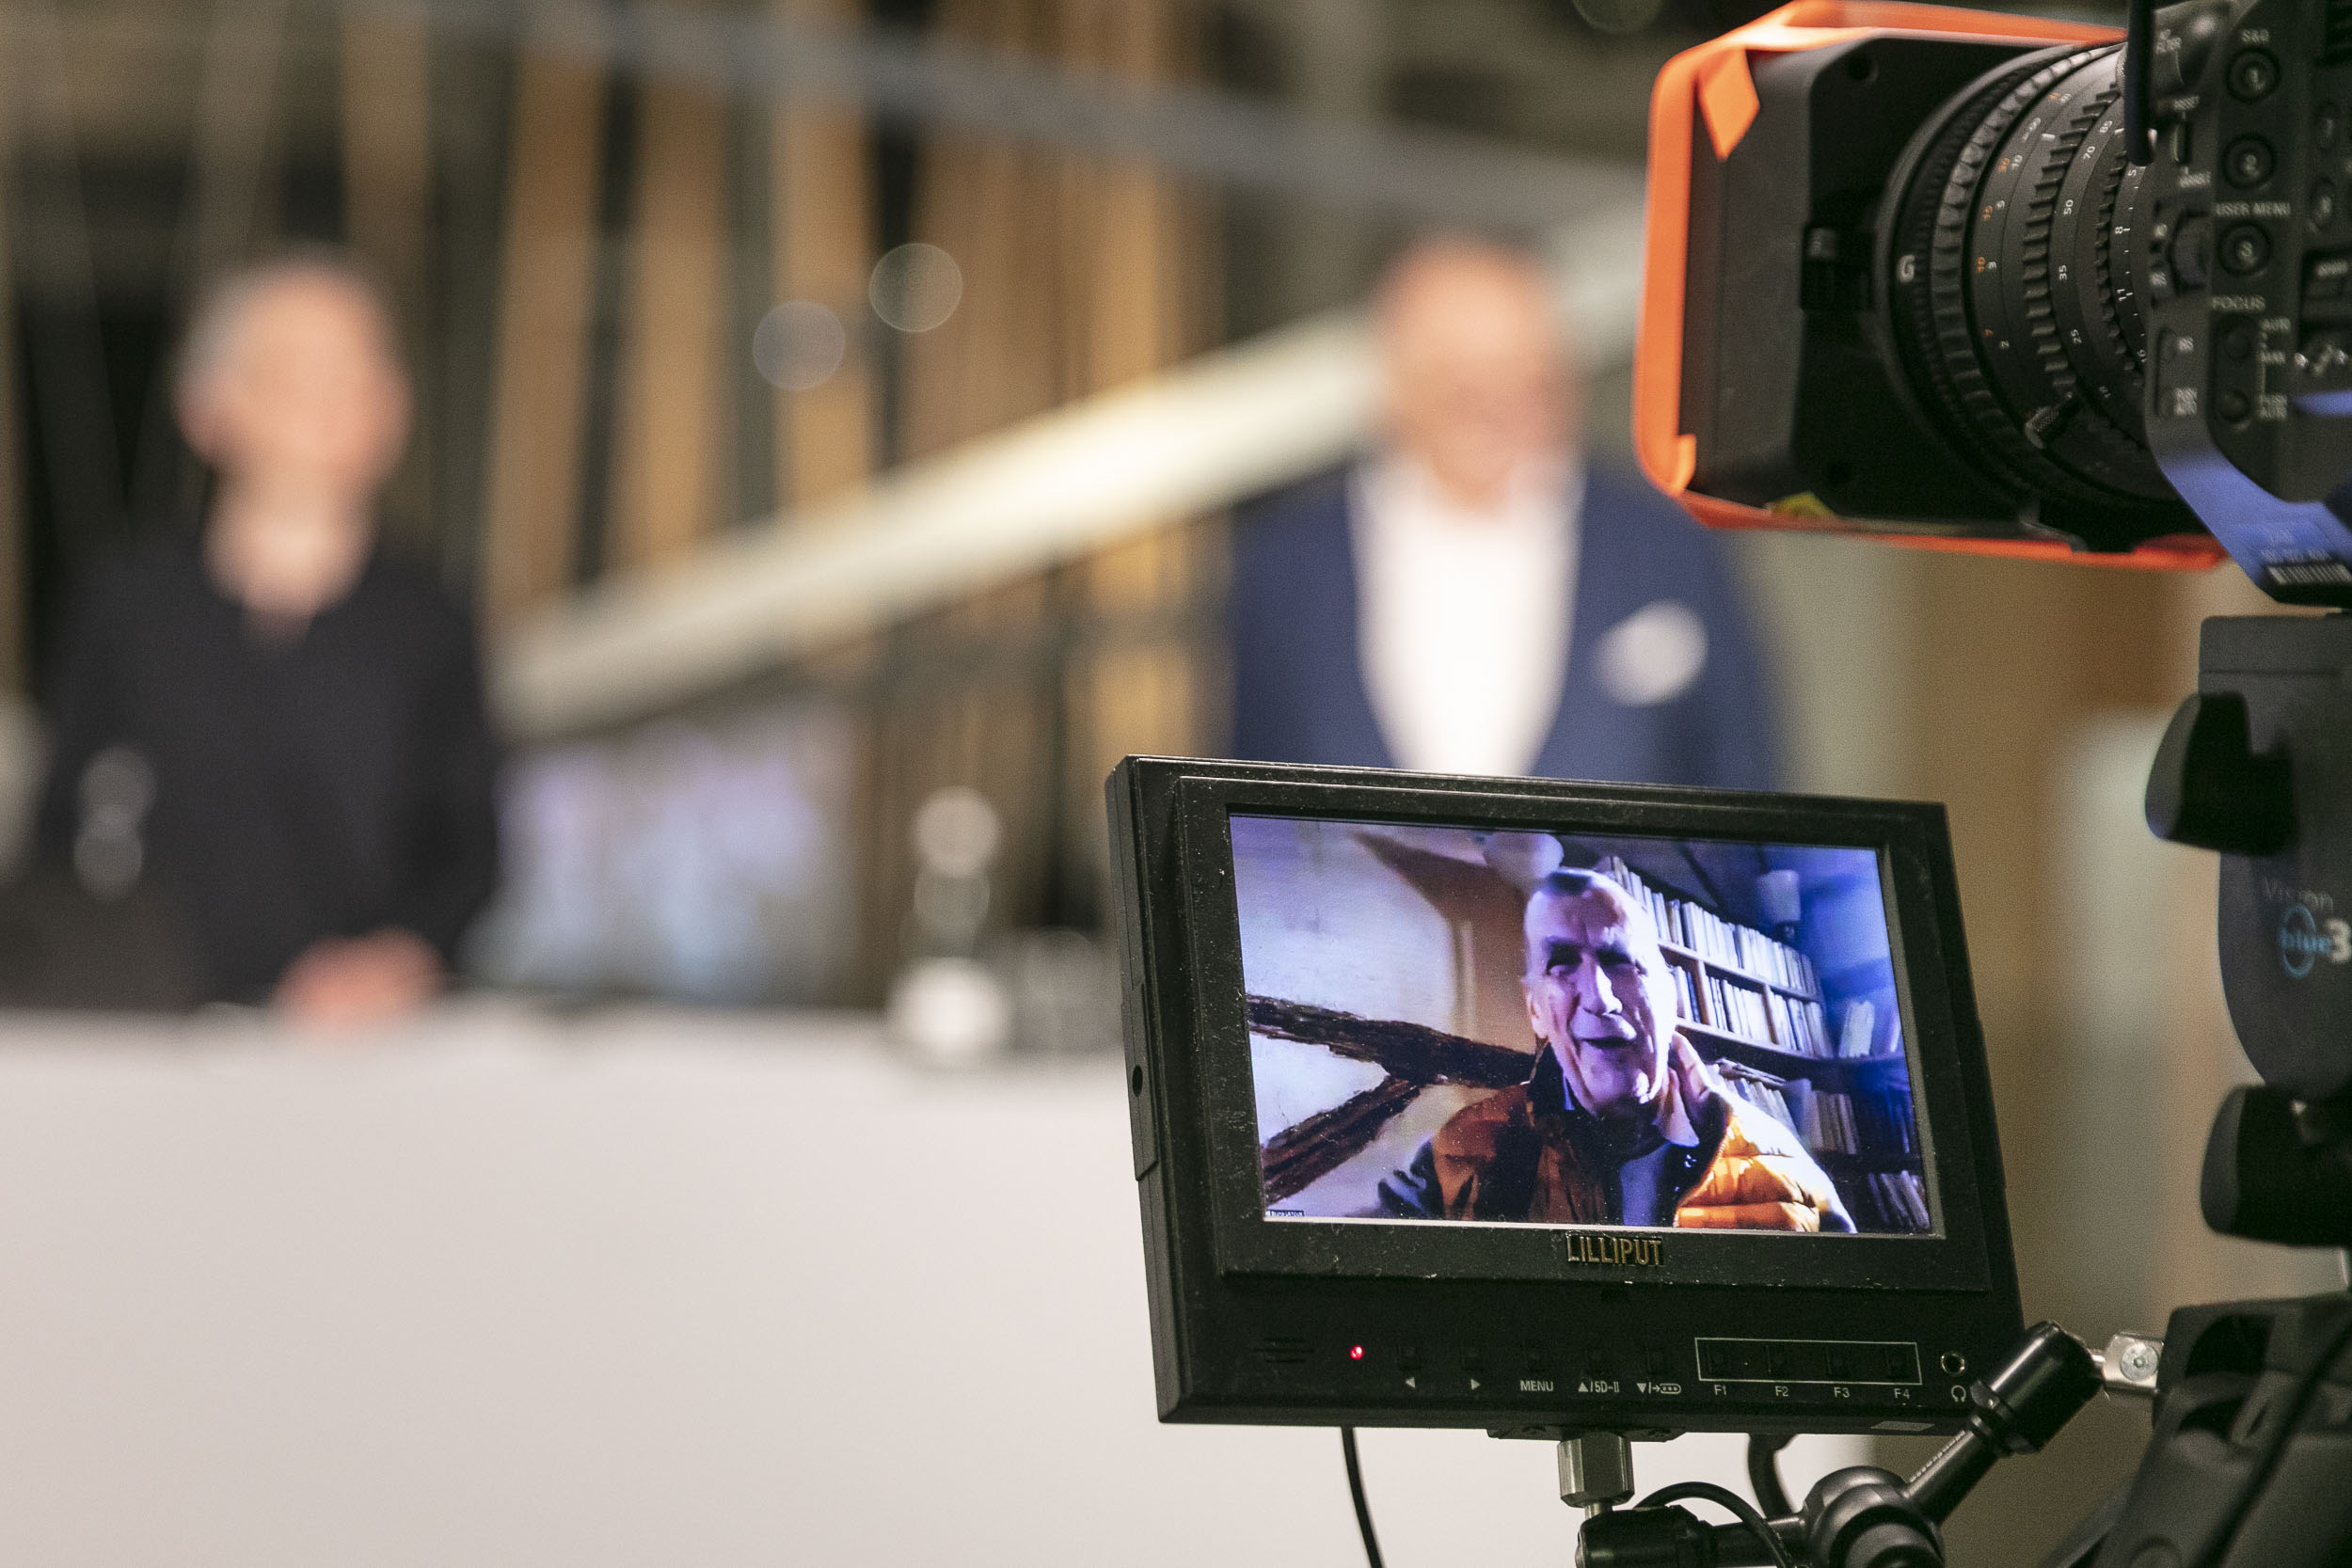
[1861, 1517]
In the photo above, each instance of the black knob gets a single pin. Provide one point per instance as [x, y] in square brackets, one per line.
[1893, 1544]
[2267, 1179]
[2210, 788]
[1643, 1538]
[1862, 1516]
[2192, 252]
[2036, 1390]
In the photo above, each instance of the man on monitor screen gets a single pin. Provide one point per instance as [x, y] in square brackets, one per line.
[1620, 1122]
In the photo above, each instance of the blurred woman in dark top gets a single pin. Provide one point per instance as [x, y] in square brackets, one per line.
[273, 728]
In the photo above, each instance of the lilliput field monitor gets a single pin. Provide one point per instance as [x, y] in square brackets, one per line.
[1545, 1106]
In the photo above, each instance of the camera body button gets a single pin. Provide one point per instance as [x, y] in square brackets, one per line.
[2245, 249]
[2249, 162]
[2253, 75]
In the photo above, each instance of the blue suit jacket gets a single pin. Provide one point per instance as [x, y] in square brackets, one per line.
[1299, 693]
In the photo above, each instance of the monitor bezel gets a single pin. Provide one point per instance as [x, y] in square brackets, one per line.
[1965, 1253]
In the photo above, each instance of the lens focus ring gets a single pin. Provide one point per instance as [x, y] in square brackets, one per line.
[1972, 297]
[2008, 298]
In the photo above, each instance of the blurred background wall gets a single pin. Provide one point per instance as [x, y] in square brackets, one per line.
[697, 293]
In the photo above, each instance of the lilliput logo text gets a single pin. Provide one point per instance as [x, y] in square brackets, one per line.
[1645, 1252]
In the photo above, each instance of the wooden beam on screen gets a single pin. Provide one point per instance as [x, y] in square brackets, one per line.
[672, 432]
[387, 200]
[1412, 1051]
[823, 207]
[538, 418]
[1306, 1152]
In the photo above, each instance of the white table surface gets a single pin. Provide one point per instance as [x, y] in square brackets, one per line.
[636, 1286]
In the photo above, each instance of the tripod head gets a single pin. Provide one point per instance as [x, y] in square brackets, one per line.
[2257, 766]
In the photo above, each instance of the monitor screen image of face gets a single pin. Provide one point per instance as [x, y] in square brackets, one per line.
[1574, 1029]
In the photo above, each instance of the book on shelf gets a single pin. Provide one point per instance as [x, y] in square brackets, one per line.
[1885, 1123]
[1860, 1028]
[1828, 1122]
[1804, 1102]
[1689, 925]
[1767, 1094]
[1834, 1130]
[1764, 1017]
[1797, 1024]
[1900, 1199]
[1821, 1120]
[1686, 994]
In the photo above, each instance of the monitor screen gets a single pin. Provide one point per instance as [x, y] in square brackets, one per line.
[1574, 1030]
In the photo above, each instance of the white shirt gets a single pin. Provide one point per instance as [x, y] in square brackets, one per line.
[1463, 613]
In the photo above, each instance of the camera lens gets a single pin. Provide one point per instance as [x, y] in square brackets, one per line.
[2013, 246]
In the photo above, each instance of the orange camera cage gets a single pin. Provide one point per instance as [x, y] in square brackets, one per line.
[1711, 84]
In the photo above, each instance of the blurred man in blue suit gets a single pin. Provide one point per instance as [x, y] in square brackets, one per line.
[1472, 597]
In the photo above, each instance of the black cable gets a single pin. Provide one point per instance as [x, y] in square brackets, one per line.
[1356, 1491]
[1724, 1497]
[1764, 1476]
[2139, 45]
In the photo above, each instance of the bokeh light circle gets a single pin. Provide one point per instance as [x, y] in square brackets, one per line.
[956, 832]
[798, 345]
[916, 287]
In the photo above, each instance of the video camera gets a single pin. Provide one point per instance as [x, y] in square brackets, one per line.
[2009, 283]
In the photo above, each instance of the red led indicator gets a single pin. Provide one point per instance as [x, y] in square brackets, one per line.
[1355, 1353]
